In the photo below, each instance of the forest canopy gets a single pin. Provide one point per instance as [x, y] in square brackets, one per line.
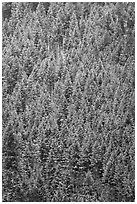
[68, 102]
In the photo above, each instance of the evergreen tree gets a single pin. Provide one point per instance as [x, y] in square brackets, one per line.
[68, 90]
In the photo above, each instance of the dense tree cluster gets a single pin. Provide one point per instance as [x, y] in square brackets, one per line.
[68, 85]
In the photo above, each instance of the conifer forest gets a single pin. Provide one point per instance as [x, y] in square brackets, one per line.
[68, 102]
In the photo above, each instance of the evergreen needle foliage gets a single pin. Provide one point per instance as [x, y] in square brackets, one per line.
[68, 97]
